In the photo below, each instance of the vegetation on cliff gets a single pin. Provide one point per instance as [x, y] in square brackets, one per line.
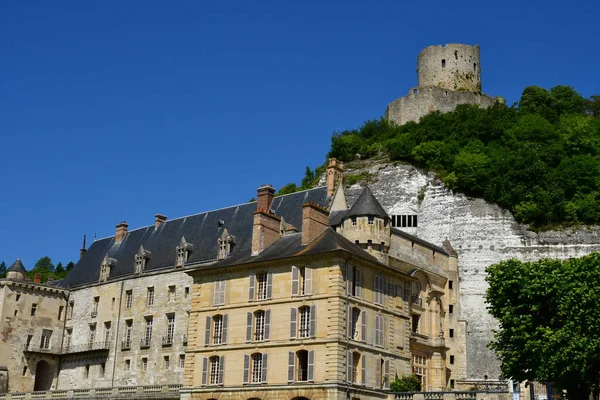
[539, 158]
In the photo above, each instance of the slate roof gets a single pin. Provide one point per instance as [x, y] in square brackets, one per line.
[18, 267]
[417, 239]
[366, 204]
[201, 230]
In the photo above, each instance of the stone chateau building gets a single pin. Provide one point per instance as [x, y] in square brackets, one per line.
[290, 297]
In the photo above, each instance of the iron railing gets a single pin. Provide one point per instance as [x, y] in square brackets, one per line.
[126, 344]
[167, 340]
[85, 347]
[145, 342]
[36, 348]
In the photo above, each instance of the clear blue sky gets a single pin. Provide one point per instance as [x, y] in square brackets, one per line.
[118, 110]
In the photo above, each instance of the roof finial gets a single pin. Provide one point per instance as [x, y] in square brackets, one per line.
[83, 247]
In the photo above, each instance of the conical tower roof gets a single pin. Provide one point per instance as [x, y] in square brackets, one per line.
[366, 204]
[17, 266]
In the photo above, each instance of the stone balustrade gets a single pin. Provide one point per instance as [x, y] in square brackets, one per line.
[154, 392]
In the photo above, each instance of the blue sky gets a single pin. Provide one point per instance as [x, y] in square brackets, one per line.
[118, 110]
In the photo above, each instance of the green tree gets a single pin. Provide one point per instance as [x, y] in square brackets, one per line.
[59, 270]
[408, 383]
[548, 316]
[44, 264]
[3, 269]
[70, 266]
[287, 189]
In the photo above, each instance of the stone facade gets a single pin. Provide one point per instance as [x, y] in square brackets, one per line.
[448, 76]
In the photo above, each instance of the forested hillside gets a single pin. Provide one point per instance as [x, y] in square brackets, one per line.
[539, 158]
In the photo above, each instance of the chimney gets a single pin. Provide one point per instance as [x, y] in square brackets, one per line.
[335, 175]
[121, 231]
[159, 219]
[83, 249]
[265, 197]
[37, 278]
[315, 219]
[267, 226]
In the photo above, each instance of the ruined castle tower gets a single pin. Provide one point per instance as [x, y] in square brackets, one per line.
[448, 75]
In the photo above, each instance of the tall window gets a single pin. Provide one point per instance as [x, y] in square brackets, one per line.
[166, 362]
[353, 364]
[70, 309]
[218, 329]
[144, 363]
[148, 332]
[260, 286]
[141, 259]
[301, 366]
[304, 321]
[128, 333]
[68, 339]
[182, 361]
[355, 323]
[301, 281]
[45, 342]
[378, 292]
[104, 272]
[353, 280]
[95, 307]
[419, 368]
[379, 327]
[170, 328]
[107, 328]
[259, 325]
[172, 293]
[33, 309]
[302, 356]
[150, 296]
[214, 370]
[184, 252]
[92, 336]
[261, 280]
[127, 365]
[257, 366]
[128, 299]
[219, 295]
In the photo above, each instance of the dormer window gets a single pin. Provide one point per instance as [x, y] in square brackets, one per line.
[106, 267]
[141, 259]
[226, 243]
[184, 252]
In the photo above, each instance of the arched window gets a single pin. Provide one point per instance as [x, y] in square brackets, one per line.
[443, 63]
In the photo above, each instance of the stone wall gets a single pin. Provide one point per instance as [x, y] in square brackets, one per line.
[423, 100]
[452, 67]
[481, 233]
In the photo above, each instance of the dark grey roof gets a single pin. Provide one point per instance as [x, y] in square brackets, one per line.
[419, 240]
[201, 230]
[366, 204]
[17, 266]
[448, 247]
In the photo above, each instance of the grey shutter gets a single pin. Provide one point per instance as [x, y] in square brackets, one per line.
[363, 370]
[349, 317]
[358, 289]
[246, 369]
[307, 280]
[204, 370]
[377, 330]
[224, 334]
[386, 377]
[313, 321]
[270, 285]
[216, 295]
[382, 330]
[311, 366]
[248, 327]
[251, 286]
[363, 327]
[349, 279]
[291, 365]
[268, 325]
[376, 289]
[221, 369]
[264, 368]
[207, 331]
[377, 373]
[293, 322]
[349, 366]
[295, 280]
[223, 288]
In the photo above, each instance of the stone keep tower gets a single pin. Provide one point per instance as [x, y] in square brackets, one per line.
[452, 67]
[447, 76]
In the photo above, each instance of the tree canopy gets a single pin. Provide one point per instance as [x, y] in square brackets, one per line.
[539, 158]
[46, 269]
[548, 314]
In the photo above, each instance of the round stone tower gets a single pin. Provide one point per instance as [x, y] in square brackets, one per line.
[452, 67]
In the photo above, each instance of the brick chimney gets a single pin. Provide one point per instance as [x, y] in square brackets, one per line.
[159, 219]
[335, 175]
[121, 231]
[83, 249]
[37, 278]
[265, 197]
[315, 219]
[267, 226]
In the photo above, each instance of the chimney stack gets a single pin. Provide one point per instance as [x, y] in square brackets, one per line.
[159, 219]
[83, 249]
[267, 226]
[37, 278]
[335, 175]
[315, 219]
[121, 231]
[265, 197]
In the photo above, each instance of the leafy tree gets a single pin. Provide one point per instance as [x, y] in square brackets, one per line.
[59, 269]
[3, 269]
[287, 189]
[70, 266]
[44, 264]
[408, 383]
[548, 316]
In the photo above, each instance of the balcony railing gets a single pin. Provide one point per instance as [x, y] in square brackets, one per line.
[145, 342]
[83, 348]
[126, 344]
[167, 340]
[185, 340]
[33, 348]
[416, 300]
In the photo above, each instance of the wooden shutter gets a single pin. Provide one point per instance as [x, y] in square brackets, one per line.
[293, 322]
[382, 330]
[263, 375]
[268, 325]
[358, 289]
[295, 281]
[377, 330]
[376, 289]
[221, 369]
[307, 280]
[311, 366]
[377, 373]
[363, 370]
[363, 325]
[349, 317]
[207, 331]
[349, 279]
[224, 334]
[386, 377]
[249, 327]
[246, 369]
[204, 370]
[223, 286]
[291, 365]
[313, 321]
[251, 286]
[216, 295]
[349, 366]
[270, 285]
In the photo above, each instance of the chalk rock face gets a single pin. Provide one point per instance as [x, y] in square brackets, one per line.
[480, 232]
